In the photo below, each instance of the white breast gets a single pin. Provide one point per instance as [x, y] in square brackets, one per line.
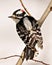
[27, 23]
[16, 20]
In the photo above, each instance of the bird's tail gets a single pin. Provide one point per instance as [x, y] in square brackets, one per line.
[29, 52]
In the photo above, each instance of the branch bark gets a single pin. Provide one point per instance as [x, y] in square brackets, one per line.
[45, 14]
[20, 61]
[40, 22]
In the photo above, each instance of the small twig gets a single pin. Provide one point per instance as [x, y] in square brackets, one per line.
[22, 59]
[25, 8]
[41, 62]
[10, 57]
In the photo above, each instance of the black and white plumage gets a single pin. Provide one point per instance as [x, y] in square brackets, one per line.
[29, 31]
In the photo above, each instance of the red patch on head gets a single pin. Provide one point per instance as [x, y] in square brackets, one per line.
[22, 10]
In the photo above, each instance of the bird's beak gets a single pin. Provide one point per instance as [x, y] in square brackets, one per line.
[13, 17]
[10, 17]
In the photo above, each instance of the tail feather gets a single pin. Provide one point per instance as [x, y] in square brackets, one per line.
[29, 53]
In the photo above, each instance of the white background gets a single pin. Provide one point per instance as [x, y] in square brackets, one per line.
[10, 43]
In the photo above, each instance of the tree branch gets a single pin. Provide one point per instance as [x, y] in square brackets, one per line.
[40, 22]
[45, 14]
[20, 61]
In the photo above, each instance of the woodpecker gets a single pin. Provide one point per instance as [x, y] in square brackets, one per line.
[29, 31]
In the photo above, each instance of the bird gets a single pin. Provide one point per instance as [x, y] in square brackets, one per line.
[29, 31]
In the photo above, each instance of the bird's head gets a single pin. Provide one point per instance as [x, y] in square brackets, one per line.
[17, 15]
